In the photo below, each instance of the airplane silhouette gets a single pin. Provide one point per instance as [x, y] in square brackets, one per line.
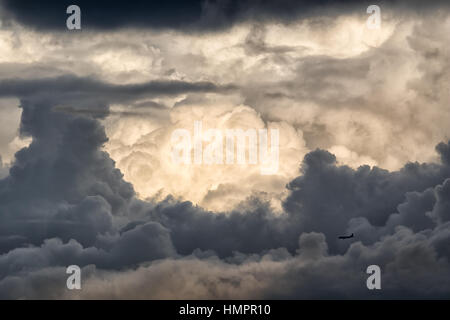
[346, 237]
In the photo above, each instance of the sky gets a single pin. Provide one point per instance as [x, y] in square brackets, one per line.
[86, 142]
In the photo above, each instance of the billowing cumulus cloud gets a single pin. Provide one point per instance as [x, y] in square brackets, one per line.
[85, 144]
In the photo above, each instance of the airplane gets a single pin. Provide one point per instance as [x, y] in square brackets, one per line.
[346, 237]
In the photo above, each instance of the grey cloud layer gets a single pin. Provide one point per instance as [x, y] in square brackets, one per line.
[70, 89]
[199, 15]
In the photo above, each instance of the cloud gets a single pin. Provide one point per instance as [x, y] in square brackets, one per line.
[73, 195]
[405, 258]
[61, 184]
[441, 211]
[142, 149]
[81, 212]
[68, 89]
[3, 170]
[197, 15]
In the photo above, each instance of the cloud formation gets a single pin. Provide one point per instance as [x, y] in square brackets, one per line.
[92, 188]
[198, 15]
[65, 203]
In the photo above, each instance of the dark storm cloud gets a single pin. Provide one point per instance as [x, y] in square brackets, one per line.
[143, 243]
[78, 88]
[326, 196]
[62, 185]
[187, 15]
[63, 197]
[247, 231]
[411, 269]
[90, 96]
[3, 169]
